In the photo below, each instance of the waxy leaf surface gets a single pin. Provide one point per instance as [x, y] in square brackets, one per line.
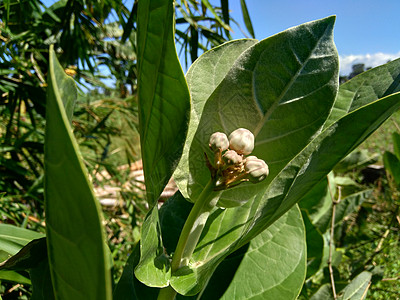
[75, 241]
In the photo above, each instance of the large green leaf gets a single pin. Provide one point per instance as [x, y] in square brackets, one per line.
[164, 100]
[366, 88]
[287, 74]
[274, 265]
[314, 155]
[205, 74]
[75, 241]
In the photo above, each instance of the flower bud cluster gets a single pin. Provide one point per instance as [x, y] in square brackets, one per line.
[231, 166]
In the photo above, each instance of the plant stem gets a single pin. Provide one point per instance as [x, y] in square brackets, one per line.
[331, 240]
[191, 233]
[167, 293]
[194, 225]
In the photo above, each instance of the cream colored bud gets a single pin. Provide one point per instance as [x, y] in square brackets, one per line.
[256, 168]
[231, 157]
[219, 140]
[242, 141]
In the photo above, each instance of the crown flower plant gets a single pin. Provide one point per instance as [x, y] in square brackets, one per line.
[233, 229]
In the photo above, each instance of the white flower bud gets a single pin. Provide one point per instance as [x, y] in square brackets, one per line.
[231, 157]
[242, 141]
[219, 140]
[256, 168]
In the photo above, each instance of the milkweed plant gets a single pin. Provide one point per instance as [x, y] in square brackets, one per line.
[249, 130]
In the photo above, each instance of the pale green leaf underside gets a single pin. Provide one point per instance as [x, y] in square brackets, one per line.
[76, 247]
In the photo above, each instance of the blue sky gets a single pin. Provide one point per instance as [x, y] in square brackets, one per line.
[365, 31]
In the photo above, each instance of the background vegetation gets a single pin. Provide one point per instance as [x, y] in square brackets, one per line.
[95, 38]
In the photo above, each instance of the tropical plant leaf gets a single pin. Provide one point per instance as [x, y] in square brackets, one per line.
[284, 73]
[77, 256]
[366, 88]
[315, 153]
[205, 74]
[279, 250]
[164, 100]
[164, 105]
[13, 238]
[357, 289]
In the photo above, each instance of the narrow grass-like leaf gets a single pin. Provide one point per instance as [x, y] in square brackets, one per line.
[13, 277]
[246, 18]
[75, 241]
[164, 100]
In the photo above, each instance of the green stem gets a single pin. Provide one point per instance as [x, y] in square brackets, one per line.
[194, 225]
[191, 233]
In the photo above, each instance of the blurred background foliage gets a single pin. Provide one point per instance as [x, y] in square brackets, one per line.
[96, 44]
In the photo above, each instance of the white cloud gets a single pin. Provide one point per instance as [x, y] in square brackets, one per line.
[369, 60]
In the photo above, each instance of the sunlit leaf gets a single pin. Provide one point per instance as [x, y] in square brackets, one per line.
[76, 247]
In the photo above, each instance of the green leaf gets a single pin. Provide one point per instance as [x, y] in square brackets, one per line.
[28, 257]
[323, 293]
[366, 88]
[78, 263]
[13, 238]
[396, 144]
[281, 247]
[357, 288]
[128, 287]
[283, 74]
[246, 18]
[14, 277]
[286, 74]
[392, 165]
[277, 86]
[33, 258]
[279, 251]
[154, 268]
[164, 100]
[318, 203]
[205, 74]
[315, 246]
[355, 160]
